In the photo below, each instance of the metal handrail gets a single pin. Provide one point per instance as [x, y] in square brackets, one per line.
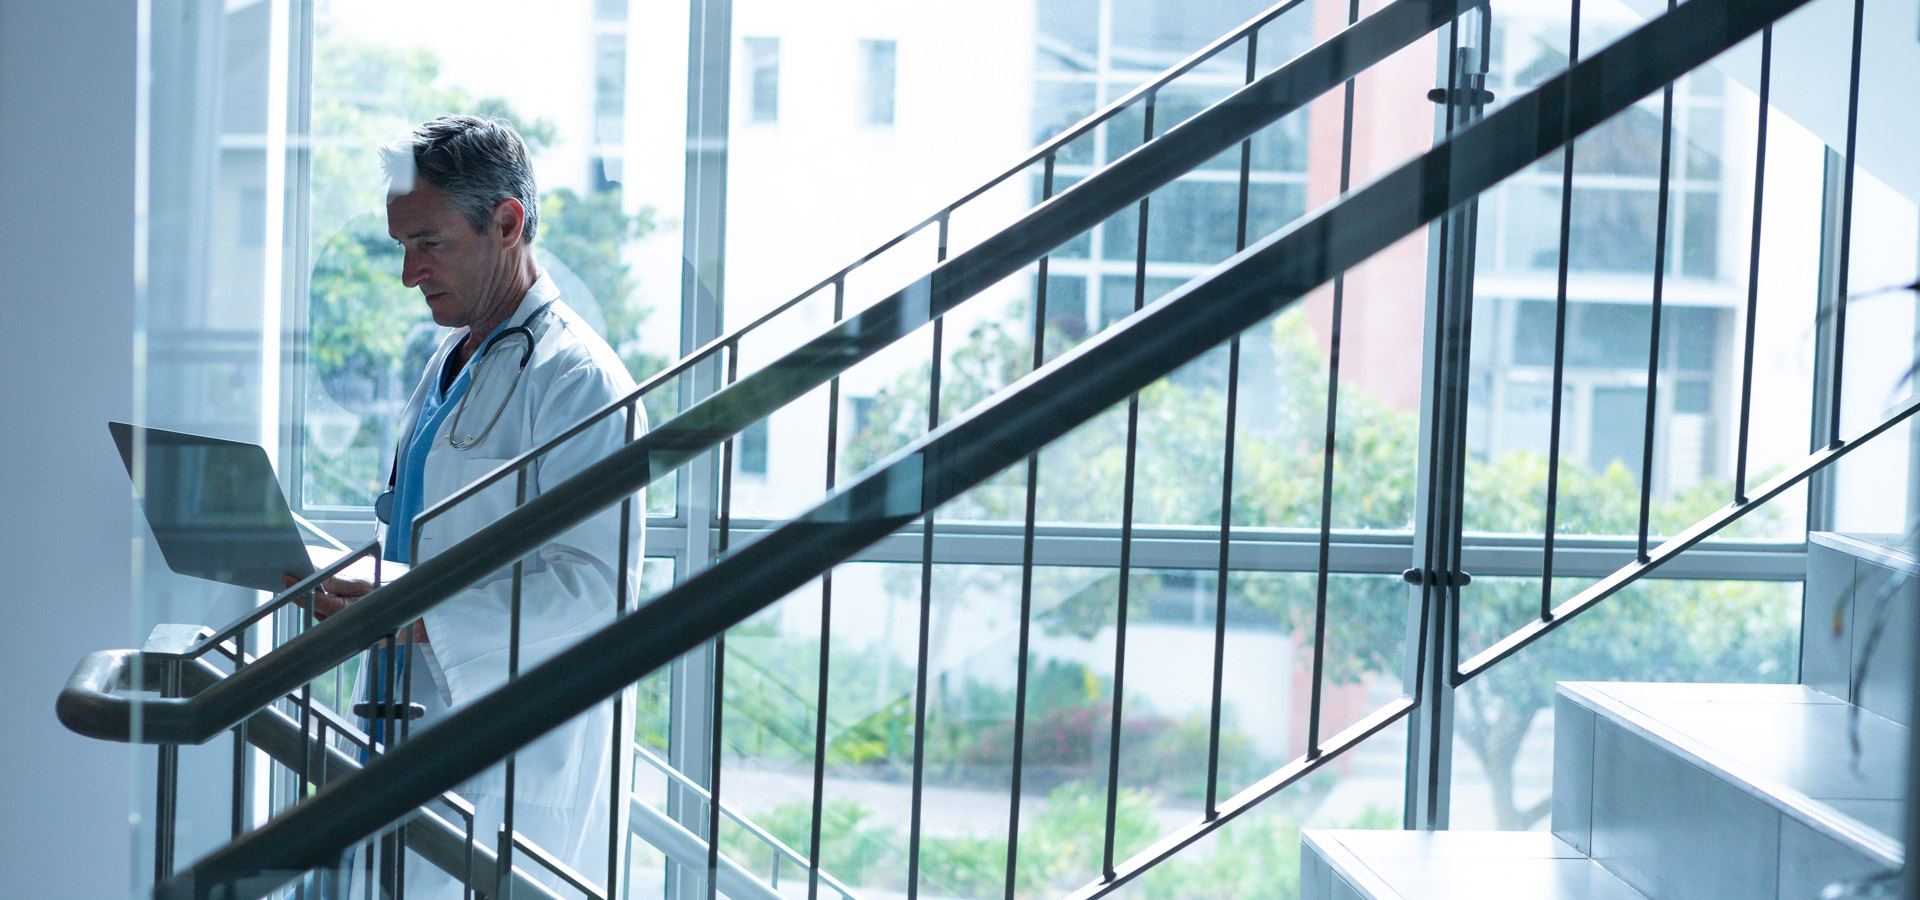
[94, 702]
[272, 731]
[1257, 282]
[708, 423]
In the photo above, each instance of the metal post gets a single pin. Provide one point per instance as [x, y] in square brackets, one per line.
[1821, 487]
[1552, 527]
[1442, 433]
[1660, 226]
[691, 679]
[1024, 646]
[1126, 529]
[826, 628]
[1330, 440]
[926, 611]
[166, 785]
[238, 813]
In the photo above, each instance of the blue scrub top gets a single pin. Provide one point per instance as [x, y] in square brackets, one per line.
[409, 488]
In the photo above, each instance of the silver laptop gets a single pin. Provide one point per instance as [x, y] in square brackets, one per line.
[216, 509]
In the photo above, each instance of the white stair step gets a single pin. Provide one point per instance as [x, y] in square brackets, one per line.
[1855, 581]
[1715, 790]
[1450, 865]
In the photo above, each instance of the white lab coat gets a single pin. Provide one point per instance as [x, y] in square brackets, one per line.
[567, 587]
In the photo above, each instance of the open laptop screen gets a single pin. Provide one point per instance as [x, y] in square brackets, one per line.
[215, 508]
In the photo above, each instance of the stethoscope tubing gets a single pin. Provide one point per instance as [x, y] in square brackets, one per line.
[383, 504]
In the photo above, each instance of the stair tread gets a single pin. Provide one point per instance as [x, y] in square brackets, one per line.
[1445, 865]
[1890, 550]
[1786, 745]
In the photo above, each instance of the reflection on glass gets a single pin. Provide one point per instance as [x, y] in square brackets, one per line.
[368, 335]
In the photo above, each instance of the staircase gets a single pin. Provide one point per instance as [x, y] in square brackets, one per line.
[1678, 791]
[1682, 791]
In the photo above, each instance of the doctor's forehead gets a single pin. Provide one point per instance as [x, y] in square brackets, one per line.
[419, 214]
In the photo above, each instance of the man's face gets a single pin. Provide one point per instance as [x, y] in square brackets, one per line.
[460, 271]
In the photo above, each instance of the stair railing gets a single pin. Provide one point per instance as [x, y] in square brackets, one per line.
[1266, 277]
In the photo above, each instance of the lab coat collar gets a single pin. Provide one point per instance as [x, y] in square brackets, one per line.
[543, 291]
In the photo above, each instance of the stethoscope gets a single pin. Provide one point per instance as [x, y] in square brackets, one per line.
[520, 336]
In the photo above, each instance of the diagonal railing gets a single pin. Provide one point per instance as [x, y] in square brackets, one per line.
[1268, 276]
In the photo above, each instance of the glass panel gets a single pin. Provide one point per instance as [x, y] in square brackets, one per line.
[1608, 320]
[600, 236]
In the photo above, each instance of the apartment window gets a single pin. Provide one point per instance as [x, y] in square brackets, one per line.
[753, 449]
[876, 95]
[610, 87]
[763, 78]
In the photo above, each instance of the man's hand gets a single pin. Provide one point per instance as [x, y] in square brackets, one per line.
[337, 593]
[333, 595]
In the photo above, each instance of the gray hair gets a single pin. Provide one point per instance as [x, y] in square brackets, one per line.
[476, 162]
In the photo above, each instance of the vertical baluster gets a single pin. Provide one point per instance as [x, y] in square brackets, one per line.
[1552, 526]
[1212, 808]
[402, 725]
[1846, 227]
[1331, 438]
[1753, 268]
[1474, 80]
[383, 714]
[320, 742]
[166, 784]
[926, 606]
[622, 758]
[1438, 649]
[1659, 288]
[1023, 650]
[1126, 529]
[238, 815]
[826, 626]
[466, 879]
[306, 701]
[720, 648]
[505, 852]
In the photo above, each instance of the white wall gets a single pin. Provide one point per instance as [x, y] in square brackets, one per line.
[66, 302]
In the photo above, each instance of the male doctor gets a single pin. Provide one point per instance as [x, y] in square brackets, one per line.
[517, 368]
